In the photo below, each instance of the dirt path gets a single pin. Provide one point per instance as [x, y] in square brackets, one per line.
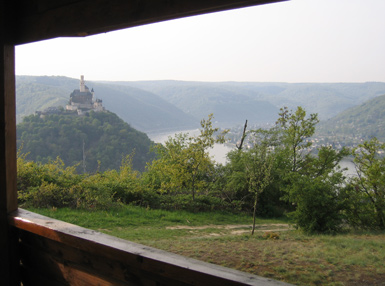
[235, 229]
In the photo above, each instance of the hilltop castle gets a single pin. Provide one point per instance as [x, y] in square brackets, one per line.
[83, 100]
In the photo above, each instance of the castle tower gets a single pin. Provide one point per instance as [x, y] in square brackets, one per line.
[83, 100]
[82, 84]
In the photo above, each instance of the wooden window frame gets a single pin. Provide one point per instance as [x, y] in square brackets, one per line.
[25, 21]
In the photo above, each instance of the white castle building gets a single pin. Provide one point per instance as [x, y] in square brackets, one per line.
[83, 100]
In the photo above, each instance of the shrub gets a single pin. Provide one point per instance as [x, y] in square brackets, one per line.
[270, 235]
[201, 203]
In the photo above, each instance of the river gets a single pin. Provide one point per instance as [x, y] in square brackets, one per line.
[351, 169]
[220, 151]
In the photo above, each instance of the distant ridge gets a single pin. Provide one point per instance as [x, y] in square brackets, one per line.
[326, 99]
[162, 106]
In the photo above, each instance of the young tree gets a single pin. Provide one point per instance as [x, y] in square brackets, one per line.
[295, 129]
[250, 173]
[258, 164]
[309, 182]
[184, 161]
[312, 182]
[368, 188]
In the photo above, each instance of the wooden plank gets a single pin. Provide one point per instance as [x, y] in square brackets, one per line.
[47, 267]
[141, 261]
[40, 20]
[53, 259]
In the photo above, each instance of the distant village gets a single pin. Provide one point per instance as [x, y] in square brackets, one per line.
[81, 102]
[318, 140]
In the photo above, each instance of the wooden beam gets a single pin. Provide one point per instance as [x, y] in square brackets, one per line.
[43, 19]
[8, 128]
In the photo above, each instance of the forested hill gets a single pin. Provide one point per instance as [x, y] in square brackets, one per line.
[361, 122]
[142, 109]
[107, 140]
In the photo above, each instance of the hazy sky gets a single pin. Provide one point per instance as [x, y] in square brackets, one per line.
[294, 41]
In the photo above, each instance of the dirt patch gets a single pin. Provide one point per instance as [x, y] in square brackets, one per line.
[238, 232]
[208, 226]
[230, 229]
[230, 226]
[236, 229]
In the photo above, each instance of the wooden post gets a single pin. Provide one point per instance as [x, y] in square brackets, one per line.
[8, 194]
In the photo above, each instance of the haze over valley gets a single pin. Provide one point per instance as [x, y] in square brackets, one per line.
[349, 113]
[166, 106]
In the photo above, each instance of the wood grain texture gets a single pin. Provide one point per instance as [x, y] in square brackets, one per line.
[65, 251]
[42, 19]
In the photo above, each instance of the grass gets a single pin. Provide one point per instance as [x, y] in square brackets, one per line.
[274, 251]
[143, 225]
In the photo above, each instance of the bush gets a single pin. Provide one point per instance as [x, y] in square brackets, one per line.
[318, 206]
[54, 185]
[47, 195]
[201, 203]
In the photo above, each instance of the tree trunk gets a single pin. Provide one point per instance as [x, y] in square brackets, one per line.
[254, 214]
